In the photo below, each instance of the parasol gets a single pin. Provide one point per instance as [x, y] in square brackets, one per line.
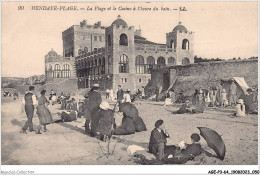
[214, 141]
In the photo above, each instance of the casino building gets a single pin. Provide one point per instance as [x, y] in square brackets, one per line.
[119, 55]
[116, 55]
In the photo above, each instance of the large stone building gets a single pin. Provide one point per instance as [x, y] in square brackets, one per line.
[79, 39]
[125, 57]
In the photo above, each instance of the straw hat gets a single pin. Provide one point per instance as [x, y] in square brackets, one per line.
[240, 101]
[96, 85]
[104, 105]
[223, 91]
[182, 145]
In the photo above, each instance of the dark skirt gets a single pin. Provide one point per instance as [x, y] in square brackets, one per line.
[44, 114]
[126, 128]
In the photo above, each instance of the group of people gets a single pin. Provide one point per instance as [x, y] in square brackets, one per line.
[100, 121]
[172, 154]
[31, 102]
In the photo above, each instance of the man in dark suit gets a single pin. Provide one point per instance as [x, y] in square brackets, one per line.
[120, 94]
[158, 139]
[30, 103]
[93, 102]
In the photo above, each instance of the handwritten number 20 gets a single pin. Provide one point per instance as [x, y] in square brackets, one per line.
[20, 7]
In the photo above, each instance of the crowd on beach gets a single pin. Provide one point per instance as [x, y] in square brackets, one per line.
[102, 121]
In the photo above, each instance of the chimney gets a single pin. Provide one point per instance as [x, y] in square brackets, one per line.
[138, 32]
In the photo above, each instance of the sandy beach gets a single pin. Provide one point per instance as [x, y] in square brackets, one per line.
[66, 143]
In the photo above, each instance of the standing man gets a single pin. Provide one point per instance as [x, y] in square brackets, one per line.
[120, 94]
[30, 103]
[157, 91]
[107, 93]
[233, 93]
[93, 102]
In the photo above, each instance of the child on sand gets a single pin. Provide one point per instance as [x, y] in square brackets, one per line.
[240, 107]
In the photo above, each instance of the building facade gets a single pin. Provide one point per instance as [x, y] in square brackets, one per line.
[83, 38]
[127, 58]
[58, 68]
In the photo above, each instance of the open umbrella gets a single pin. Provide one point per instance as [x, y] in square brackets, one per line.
[214, 141]
[129, 110]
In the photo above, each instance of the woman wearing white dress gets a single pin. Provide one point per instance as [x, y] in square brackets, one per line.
[126, 97]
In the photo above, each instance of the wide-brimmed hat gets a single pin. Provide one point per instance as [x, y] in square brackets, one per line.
[96, 85]
[127, 90]
[232, 79]
[223, 90]
[104, 105]
[240, 101]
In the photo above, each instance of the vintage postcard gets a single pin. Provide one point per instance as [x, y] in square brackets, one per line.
[129, 83]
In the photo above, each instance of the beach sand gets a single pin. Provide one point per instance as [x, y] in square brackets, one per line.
[66, 143]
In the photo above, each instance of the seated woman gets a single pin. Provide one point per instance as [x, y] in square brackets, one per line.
[69, 116]
[199, 108]
[130, 113]
[184, 108]
[158, 140]
[240, 107]
[106, 121]
[185, 151]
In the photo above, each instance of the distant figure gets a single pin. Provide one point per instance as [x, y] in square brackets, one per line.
[224, 101]
[241, 110]
[172, 95]
[107, 93]
[158, 140]
[168, 100]
[195, 98]
[233, 93]
[251, 105]
[120, 94]
[157, 92]
[43, 112]
[30, 103]
[126, 97]
[184, 108]
[143, 93]
[111, 95]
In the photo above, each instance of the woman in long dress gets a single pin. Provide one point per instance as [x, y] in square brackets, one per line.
[43, 112]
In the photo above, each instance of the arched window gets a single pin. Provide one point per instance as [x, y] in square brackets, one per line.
[103, 63]
[185, 61]
[123, 40]
[161, 61]
[99, 66]
[57, 71]
[171, 44]
[139, 64]
[85, 49]
[66, 71]
[150, 63]
[171, 61]
[123, 64]
[80, 51]
[109, 40]
[185, 44]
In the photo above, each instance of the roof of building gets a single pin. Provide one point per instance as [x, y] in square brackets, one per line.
[119, 21]
[180, 27]
[52, 53]
[142, 40]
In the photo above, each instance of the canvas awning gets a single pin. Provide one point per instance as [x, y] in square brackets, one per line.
[241, 82]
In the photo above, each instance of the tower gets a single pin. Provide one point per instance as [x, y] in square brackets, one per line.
[120, 53]
[181, 40]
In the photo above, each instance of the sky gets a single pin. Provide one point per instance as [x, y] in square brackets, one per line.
[221, 29]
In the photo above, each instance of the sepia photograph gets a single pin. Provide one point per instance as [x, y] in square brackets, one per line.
[130, 83]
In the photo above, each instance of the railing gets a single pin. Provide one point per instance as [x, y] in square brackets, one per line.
[154, 49]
